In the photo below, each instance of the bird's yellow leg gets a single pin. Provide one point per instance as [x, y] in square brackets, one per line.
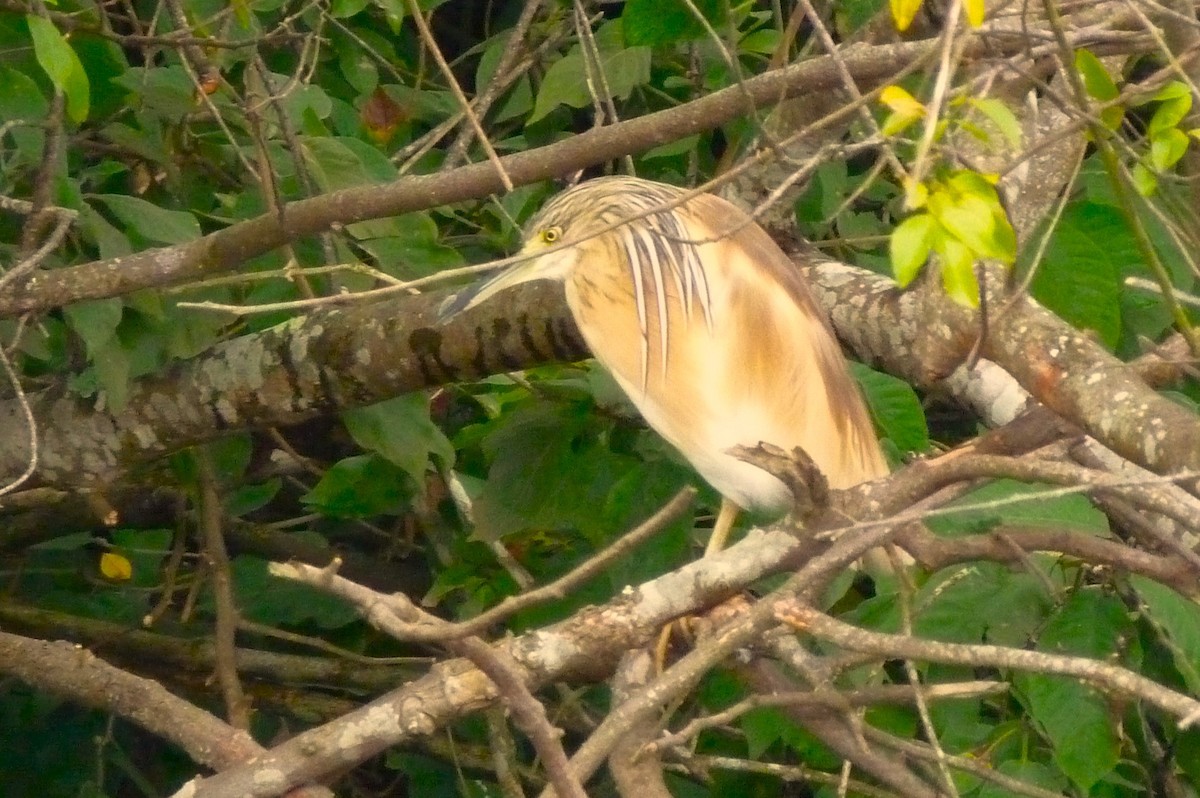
[720, 533]
[716, 541]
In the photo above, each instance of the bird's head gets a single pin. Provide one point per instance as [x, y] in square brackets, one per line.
[550, 250]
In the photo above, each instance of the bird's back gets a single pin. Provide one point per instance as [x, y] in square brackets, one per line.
[745, 355]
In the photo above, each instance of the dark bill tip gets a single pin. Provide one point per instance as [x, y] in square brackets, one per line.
[457, 303]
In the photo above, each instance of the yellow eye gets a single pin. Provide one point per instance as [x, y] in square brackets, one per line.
[551, 235]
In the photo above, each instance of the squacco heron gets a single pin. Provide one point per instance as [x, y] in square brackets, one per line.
[707, 326]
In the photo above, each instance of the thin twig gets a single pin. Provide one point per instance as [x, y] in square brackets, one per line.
[795, 773]
[429, 629]
[225, 634]
[170, 576]
[31, 425]
[862, 697]
[499, 82]
[1100, 674]
[910, 672]
[1142, 284]
[966, 764]
[527, 711]
[418, 17]
[504, 753]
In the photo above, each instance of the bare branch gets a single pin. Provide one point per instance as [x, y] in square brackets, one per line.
[1100, 674]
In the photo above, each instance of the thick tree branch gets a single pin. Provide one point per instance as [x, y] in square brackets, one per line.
[636, 770]
[69, 670]
[587, 646]
[329, 360]
[238, 243]
[171, 657]
[921, 335]
[315, 365]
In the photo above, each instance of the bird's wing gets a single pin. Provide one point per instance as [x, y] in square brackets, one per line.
[783, 365]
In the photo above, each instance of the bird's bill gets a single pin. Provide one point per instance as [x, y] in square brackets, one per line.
[484, 290]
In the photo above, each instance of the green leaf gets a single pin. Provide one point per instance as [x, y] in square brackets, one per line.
[678, 147]
[1167, 147]
[164, 90]
[1179, 620]
[305, 104]
[764, 726]
[251, 497]
[145, 549]
[430, 777]
[1080, 276]
[342, 162]
[1034, 773]
[958, 271]
[1072, 511]
[854, 14]
[1176, 101]
[108, 239]
[981, 601]
[635, 496]
[1001, 116]
[112, 369]
[1144, 179]
[566, 81]
[408, 257]
[1090, 623]
[20, 98]
[341, 9]
[1100, 86]
[1175, 90]
[285, 602]
[425, 105]
[971, 212]
[188, 333]
[150, 221]
[909, 246]
[394, 10]
[1096, 80]
[895, 408]
[359, 487]
[660, 22]
[61, 64]
[764, 41]
[897, 122]
[231, 455]
[95, 321]
[961, 724]
[518, 100]
[550, 471]
[1075, 718]
[401, 431]
[1187, 752]
[407, 246]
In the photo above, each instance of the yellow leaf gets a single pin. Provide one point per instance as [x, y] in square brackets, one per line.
[975, 10]
[958, 272]
[916, 194]
[895, 124]
[909, 246]
[115, 567]
[900, 101]
[903, 12]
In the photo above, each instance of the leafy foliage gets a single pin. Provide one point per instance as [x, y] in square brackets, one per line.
[155, 126]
